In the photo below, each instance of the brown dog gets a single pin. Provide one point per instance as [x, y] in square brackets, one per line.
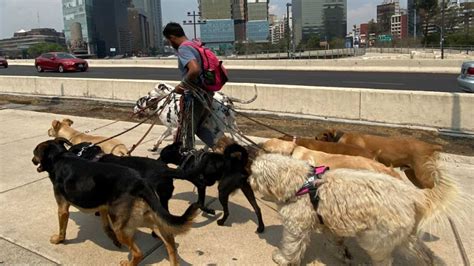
[318, 158]
[333, 148]
[393, 151]
[63, 129]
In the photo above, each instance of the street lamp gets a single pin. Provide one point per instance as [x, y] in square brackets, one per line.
[442, 30]
[288, 34]
[194, 22]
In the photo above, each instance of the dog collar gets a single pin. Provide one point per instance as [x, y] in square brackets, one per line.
[98, 157]
[310, 187]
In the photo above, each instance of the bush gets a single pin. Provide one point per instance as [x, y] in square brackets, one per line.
[45, 47]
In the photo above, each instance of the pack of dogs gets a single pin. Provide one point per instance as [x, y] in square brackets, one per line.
[361, 196]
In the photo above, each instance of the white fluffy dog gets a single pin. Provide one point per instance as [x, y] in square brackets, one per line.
[169, 117]
[379, 211]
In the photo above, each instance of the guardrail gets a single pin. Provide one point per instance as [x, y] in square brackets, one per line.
[451, 111]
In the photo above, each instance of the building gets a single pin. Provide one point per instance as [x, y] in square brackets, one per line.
[385, 12]
[239, 15]
[399, 26]
[17, 46]
[277, 30]
[77, 17]
[103, 24]
[140, 34]
[257, 27]
[151, 9]
[326, 19]
[413, 20]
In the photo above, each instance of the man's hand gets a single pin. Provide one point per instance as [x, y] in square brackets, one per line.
[178, 89]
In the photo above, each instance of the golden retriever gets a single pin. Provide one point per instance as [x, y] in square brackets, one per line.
[318, 158]
[406, 152]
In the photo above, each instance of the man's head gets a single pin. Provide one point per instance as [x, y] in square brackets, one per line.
[174, 33]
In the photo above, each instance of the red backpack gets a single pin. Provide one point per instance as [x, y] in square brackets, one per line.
[214, 75]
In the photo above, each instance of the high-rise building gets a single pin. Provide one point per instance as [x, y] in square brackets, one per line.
[103, 24]
[413, 19]
[399, 26]
[257, 23]
[77, 15]
[277, 30]
[239, 14]
[151, 9]
[385, 11]
[326, 19]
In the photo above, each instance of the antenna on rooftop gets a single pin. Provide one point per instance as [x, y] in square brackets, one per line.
[38, 16]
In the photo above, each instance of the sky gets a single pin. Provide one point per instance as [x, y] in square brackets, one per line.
[28, 14]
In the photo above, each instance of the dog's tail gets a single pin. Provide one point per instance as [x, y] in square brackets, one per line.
[236, 148]
[444, 200]
[236, 100]
[172, 223]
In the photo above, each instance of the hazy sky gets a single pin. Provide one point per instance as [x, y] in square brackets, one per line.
[27, 14]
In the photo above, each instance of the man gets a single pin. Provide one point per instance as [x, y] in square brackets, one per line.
[193, 111]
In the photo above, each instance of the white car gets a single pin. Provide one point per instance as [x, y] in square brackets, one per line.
[466, 79]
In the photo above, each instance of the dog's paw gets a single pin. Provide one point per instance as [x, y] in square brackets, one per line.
[209, 211]
[56, 239]
[125, 263]
[278, 258]
[220, 222]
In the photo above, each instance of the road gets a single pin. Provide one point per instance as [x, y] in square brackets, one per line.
[371, 80]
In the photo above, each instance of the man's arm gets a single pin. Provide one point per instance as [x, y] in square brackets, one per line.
[193, 74]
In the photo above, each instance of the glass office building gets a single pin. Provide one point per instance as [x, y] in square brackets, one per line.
[258, 31]
[77, 16]
[218, 30]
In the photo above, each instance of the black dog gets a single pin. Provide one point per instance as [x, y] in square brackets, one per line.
[155, 172]
[119, 193]
[227, 169]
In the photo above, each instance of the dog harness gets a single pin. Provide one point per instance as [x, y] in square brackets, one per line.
[310, 187]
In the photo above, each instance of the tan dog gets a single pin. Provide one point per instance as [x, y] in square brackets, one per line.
[334, 148]
[393, 151]
[333, 161]
[63, 129]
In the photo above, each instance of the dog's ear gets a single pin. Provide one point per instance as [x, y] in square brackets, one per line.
[68, 121]
[56, 124]
[63, 141]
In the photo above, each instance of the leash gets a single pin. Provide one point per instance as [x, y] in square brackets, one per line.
[127, 130]
[246, 116]
[220, 120]
[168, 100]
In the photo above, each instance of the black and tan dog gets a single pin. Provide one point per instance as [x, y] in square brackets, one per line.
[119, 193]
[227, 169]
[155, 172]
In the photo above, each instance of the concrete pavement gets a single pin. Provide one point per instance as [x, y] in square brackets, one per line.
[28, 213]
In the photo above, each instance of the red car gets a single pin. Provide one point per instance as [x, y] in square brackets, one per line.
[61, 62]
[3, 62]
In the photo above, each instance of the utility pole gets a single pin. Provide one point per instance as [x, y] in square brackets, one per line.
[288, 31]
[194, 22]
[442, 30]
[414, 22]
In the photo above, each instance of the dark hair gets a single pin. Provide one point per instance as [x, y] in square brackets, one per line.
[174, 29]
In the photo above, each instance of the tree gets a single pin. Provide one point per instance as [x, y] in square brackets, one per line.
[45, 47]
[428, 9]
[372, 27]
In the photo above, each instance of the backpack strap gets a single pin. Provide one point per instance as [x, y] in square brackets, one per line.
[198, 47]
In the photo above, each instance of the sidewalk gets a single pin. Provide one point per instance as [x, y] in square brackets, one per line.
[28, 214]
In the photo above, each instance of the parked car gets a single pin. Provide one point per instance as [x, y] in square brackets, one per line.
[61, 62]
[466, 79]
[3, 62]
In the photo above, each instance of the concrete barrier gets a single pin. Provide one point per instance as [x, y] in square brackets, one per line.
[450, 111]
[348, 64]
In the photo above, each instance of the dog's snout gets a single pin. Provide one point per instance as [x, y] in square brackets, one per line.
[35, 161]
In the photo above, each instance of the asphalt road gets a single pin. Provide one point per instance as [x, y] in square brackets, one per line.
[371, 80]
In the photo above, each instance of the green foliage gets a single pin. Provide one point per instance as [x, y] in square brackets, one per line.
[337, 43]
[45, 47]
